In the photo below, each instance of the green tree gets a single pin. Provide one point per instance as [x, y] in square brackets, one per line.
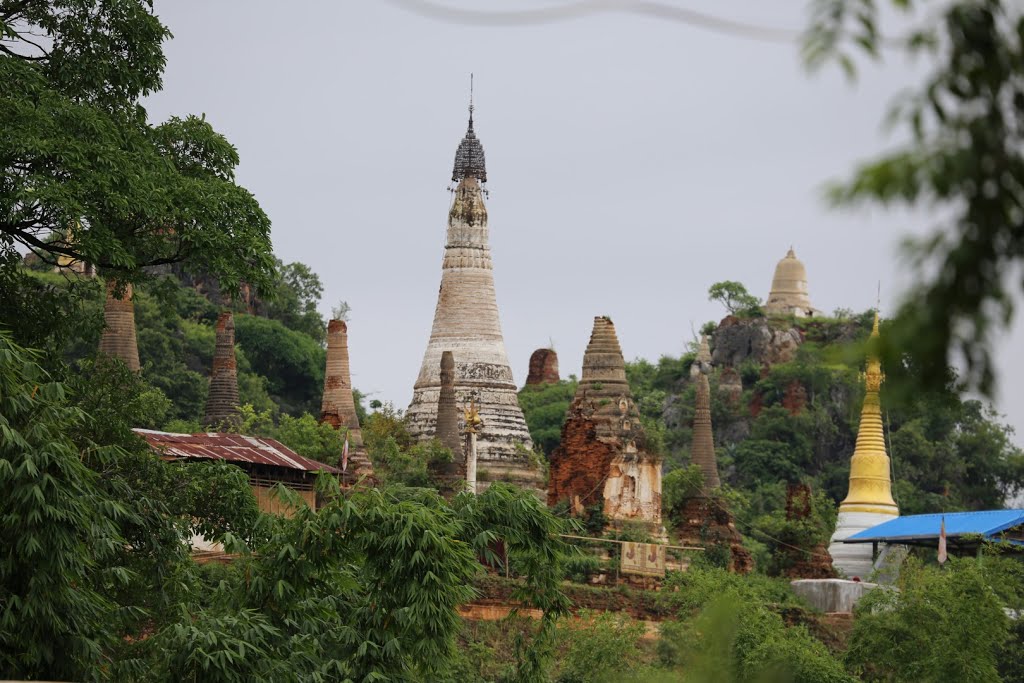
[735, 297]
[94, 522]
[59, 527]
[545, 408]
[942, 625]
[293, 300]
[963, 163]
[603, 650]
[292, 362]
[87, 178]
[365, 588]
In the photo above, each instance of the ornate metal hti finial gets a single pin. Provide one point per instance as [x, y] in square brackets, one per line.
[469, 157]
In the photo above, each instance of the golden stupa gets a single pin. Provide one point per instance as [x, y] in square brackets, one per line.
[869, 501]
[870, 483]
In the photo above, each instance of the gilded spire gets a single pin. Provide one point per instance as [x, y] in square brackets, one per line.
[870, 483]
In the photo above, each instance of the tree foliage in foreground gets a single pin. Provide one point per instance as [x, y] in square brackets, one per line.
[964, 164]
[943, 624]
[97, 582]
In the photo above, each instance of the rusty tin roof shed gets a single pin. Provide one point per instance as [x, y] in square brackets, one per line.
[234, 448]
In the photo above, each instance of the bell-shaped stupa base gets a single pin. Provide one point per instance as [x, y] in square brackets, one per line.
[855, 559]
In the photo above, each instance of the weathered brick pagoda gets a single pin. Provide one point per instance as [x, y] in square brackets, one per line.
[466, 323]
[601, 459]
[119, 339]
[705, 519]
[222, 407]
[543, 368]
[338, 406]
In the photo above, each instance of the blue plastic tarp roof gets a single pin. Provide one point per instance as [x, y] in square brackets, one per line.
[986, 523]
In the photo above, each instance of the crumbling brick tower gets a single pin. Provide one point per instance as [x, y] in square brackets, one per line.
[338, 407]
[602, 458]
[119, 340]
[222, 402]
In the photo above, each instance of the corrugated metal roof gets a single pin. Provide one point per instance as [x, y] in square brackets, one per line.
[922, 527]
[231, 447]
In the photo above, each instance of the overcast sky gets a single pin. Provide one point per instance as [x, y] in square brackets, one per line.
[632, 162]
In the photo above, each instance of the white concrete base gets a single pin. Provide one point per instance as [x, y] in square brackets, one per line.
[854, 559]
[831, 595]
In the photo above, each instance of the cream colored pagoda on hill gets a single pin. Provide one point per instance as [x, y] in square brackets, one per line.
[789, 289]
[466, 323]
[869, 501]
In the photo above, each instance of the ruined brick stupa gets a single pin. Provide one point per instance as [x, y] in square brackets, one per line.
[222, 407]
[466, 323]
[602, 458]
[543, 368]
[702, 452]
[119, 339]
[449, 476]
[704, 519]
[338, 407]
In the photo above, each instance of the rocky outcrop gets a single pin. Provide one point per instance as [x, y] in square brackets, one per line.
[739, 339]
[795, 397]
[119, 340]
[543, 368]
[338, 406]
[222, 401]
[466, 323]
[602, 451]
[730, 384]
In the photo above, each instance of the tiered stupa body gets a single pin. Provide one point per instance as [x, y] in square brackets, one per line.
[119, 339]
[789, 295]
[338, 406]
[702, 451]
[222, 408]
[466, 323]
[869, 501]
[601, 458]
